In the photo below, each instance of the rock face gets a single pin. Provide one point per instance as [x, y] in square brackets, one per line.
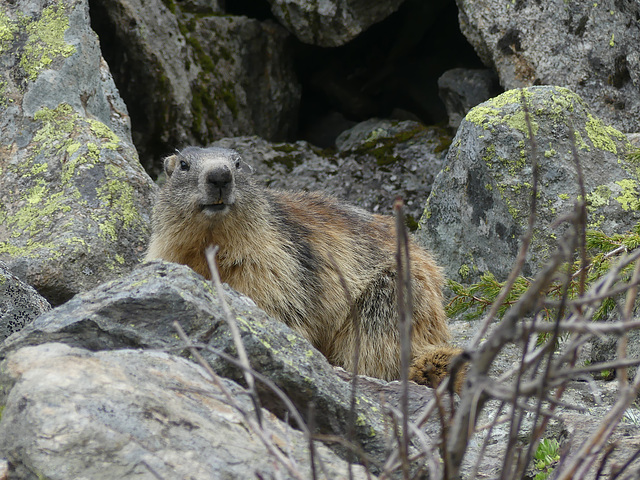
[138, 311]
[121, 415]
[479, 204]
[191, 75]
[376, 161]
[75, 202]
[589, 47]
[19, 303]
[461, 89]
[330, 23]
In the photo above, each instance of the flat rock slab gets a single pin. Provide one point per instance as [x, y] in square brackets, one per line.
[138, 414]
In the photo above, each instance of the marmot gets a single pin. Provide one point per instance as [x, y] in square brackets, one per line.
[281, 248]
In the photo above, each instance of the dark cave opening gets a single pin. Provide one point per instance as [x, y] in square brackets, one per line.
[390, 71]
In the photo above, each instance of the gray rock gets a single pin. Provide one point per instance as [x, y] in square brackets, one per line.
[331, 23]
[135, 414]
[138, 310]
[376, 161]
[75, 202]
[479, 204]
[589, 47]
[19, 303]
[191, 76]
[461, 89]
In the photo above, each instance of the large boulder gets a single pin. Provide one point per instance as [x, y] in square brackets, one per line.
[72, 413]
[589, 47]
[376, 161]
[191, 75]
[20, 303]
[138, 311]
[75, 202]
[480, 202]
[331, 23]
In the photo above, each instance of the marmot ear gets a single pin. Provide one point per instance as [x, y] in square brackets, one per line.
[245, 166]
[170, 164]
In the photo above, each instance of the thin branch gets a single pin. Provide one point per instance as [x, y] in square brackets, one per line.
[254, 426]
[405, 310]
[210, 253]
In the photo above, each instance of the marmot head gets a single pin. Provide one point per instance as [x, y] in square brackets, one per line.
[205, 181]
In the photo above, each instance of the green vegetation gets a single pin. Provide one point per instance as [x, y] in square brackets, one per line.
[603, 250]
[381, 144]
[547, 455]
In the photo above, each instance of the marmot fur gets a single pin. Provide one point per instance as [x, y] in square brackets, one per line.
[277, 247]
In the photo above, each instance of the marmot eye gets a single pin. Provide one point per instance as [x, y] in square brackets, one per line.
[237, 163]
[184, 165]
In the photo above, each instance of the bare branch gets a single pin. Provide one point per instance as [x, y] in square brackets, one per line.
[210, 253]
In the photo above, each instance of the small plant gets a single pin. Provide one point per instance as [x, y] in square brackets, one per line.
[547, 455]
[631, 416]
[604, 251]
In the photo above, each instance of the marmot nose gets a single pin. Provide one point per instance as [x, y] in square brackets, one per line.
[219, 177]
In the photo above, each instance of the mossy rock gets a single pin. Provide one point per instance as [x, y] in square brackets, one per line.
[480, 203]
[76, 203]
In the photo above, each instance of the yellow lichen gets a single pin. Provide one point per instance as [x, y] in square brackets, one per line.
[45, 41]
[629, 199]
[7, 32]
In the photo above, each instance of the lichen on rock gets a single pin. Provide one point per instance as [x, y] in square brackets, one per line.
[487, 181]
[72, 186]
[45, 40]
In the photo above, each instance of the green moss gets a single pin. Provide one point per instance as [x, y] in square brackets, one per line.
[4, 100]
[285, 147]
[288, 161]
[489, 155]
[411, 222]
[45, 41]
[381, 144]
[464, 271]
[46, 202]
[226, 93]
[204, 60]
[490, 113]
[580, 143]
[204, 108]
[171, 5]
[35, 194]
